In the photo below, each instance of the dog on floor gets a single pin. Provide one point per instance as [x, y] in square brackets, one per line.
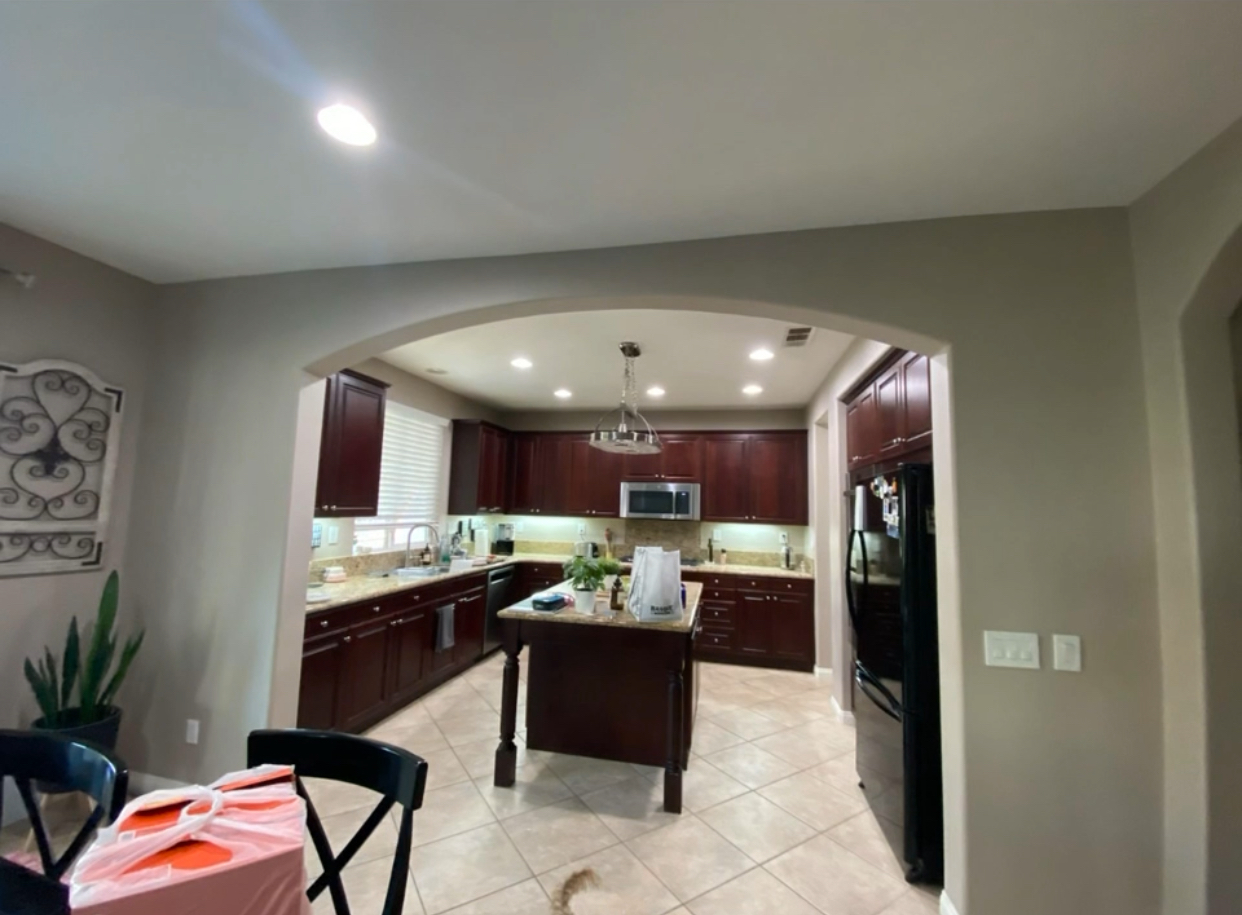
[574, 884]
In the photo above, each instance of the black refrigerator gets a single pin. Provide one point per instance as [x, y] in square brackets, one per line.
[891, 595]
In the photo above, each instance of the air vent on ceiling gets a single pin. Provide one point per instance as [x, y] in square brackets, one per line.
[798, 336]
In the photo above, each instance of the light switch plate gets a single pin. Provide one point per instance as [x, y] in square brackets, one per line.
[1011, 649]
[334, 534]
[1067, 653]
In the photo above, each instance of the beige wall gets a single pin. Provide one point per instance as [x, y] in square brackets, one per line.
[85, 312]
[1047, 380]
[661, 420]
[1188, 269]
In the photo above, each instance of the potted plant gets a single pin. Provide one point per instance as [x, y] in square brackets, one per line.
[611, 569]
[586, 576]
[94, 717]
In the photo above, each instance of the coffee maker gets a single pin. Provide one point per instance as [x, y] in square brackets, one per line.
[502, 543]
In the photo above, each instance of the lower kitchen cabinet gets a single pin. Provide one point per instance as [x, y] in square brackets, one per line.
[362, 662]
[765, 622]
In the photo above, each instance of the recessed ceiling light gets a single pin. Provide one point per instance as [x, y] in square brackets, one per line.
[752, 389]
[655, 391]
[521, 362]
[563, 393]
[437, 371]
[761, 355]
[347, 124]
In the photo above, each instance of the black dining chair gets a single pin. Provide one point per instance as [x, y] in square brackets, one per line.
[75, 765]
[397, 775]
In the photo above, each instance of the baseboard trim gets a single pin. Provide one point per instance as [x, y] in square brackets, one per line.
[144, 782]
[946, 904]
[842, 714]
[827, 671]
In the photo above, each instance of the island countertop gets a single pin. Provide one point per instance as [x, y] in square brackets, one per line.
[602, 616]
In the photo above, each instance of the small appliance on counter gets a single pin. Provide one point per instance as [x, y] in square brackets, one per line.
[587, 549]
[502, 543]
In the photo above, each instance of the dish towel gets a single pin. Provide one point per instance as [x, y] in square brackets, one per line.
[444, 627]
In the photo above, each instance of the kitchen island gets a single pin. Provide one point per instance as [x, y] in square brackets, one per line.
[602, 685]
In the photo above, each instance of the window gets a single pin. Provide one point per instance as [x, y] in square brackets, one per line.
[412, 474]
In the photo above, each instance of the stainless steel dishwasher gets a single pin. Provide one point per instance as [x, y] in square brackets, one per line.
[499, 591]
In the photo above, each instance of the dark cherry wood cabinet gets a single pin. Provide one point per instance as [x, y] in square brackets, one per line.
[321, 675]
[555, 467]
[479, 469]
[761, 621]
[409, 658]
[526, 493]
[679, 461]
[888, 414]
[468, 625]
[351, 446]
[364, 680]
[756, 477]
[594, 480]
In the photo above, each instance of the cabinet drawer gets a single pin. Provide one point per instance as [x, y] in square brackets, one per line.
[718, 594]
[721, 582]
[716, 614]
[714, 640]
[329, 623]
[801, 586]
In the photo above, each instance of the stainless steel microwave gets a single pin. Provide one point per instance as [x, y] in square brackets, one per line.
[666, 501]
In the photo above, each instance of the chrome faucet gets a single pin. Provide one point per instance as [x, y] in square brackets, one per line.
[410, 537]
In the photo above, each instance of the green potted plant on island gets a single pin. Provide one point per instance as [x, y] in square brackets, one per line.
[611, 569]
[94, 717]
[586, 576]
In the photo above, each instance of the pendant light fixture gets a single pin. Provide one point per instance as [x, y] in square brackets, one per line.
[628, 433]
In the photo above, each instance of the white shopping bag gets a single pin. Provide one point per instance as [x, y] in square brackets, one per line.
[655, 585]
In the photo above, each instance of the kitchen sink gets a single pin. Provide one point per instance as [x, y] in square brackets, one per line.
[421, 571]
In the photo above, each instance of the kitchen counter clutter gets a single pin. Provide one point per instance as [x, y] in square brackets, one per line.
[600, 615]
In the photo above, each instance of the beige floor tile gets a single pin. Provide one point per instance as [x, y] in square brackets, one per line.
[757, 826]
[632, 807]
[342, 827]
[785, 712]
[819, 701]
[689, 858]
[709, 708]
[466, 867]
[534, 787]
[809, 744]
[584, 775]
[872, 839]
[703, 786]
[834, 880]
[913, 902]
[781, 686]
[366, 887]
[469, 728]
[419, 738]
[750, 765]
[756, 892]
[331, 798]
[814, 802]
[444, 769]
[626, 887]
[457, 706]
[412, 714]
[479, 757]
[741, 694]
[557, 834]
[748, 724]
[841, 773]
[449, 811]
[709, 737]
[525, 898]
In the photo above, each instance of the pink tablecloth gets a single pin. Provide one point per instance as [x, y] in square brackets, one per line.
[233, 847]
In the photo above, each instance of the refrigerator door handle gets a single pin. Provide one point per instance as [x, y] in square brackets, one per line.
[877, 692]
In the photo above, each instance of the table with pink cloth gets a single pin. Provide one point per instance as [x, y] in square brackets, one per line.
[234, 847]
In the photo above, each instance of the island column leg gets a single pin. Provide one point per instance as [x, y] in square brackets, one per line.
[672, 764]
[506, 753]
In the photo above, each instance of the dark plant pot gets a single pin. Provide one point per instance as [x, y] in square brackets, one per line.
[103, 733]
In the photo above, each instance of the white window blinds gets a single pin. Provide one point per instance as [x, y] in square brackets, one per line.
[412, 467]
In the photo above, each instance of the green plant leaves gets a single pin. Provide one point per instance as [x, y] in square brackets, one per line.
[122, 668]
[70, 673]
[45, 695]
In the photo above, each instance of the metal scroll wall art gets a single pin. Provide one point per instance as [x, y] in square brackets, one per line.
[60, 430]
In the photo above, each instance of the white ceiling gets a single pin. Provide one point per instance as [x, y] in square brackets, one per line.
[178, 140]
[701, 360]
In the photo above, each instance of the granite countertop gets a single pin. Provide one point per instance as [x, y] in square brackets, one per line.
[605, 617]
[365, 587]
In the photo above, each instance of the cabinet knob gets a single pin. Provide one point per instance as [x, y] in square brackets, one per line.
[375, 609]
[323, 624]
[348, 638]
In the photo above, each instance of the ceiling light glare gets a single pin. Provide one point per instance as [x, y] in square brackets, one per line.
[761, 355]
[563, 393]
[347, 124]
[521, 362]
[655, 391]
[752, 389]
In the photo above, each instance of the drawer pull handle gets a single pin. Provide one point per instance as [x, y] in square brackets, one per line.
[348, 638]
[375, 609]
[323, 624]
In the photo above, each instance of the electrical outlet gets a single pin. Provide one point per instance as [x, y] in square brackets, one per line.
[581, 531]
[716, 535]
[191, 730]
[784, 538]
[334, 534]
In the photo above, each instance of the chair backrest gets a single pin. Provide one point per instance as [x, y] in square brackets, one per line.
[76, 765]
[397, 775]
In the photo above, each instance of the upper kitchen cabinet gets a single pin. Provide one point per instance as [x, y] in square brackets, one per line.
[526, 492]
[351, 447]
[479, 469]
[594, 480]
[755, 477]
[888, 417]
[679, 461]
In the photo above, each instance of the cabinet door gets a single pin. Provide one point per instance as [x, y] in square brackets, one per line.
[726, 490]
[866, 445]
[527, 492]
[493, 454]
[753, 624]
[682, 458]
[889, 413]
[442, 659]
[468, 627]
[351, 447]
[578, 492]
[916, 399]
[364, 682]
[605, 484]
[777, 469]
[644, 468]
[408, 654]
[555, 466]
[320, 686]
[792, 627]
